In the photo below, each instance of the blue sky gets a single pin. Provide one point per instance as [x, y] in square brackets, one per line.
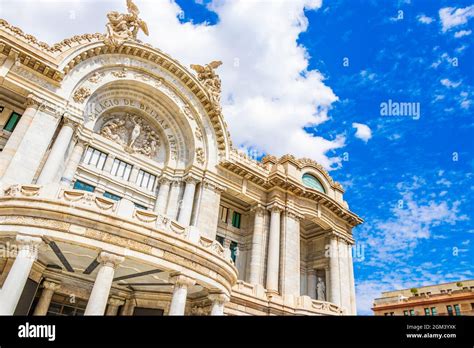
[412, 181]
[406, 182]
[410, 178]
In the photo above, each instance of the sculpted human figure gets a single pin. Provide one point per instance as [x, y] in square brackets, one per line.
[110, 130]
[208, 77]
[135, 134]
[122, 27]
[321, 289]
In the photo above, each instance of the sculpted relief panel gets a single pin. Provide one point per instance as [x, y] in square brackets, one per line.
[132, 132]
[116, 102]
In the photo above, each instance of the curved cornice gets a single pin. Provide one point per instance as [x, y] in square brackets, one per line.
[55, 62]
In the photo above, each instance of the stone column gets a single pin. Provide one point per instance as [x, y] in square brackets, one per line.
[273, 259]
[134, 174]
[218, 303]
[290, 254]
[49, 288]
[334, 279]
[57, 153]
[207, 216]
[311, 276]
[32, 105]
[162, 196]
[73, 163]
[257, 257]
[18, 275]
[129, 307]
[344, 277]
[103, 282]
[109, 162]
[351, 281]
[180, 292]
[188, 200]
[173, 203]
[113, 306]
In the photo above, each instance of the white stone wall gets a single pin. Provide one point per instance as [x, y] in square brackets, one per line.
[30, 149]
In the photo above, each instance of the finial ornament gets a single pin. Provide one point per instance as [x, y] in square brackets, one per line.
[124, 26]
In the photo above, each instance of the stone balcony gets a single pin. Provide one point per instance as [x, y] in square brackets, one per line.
[87, 220]
[123, 209]
[256, 300]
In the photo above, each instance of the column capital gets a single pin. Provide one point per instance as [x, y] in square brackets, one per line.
[33, 101]
[163, 180]
[258, 209]
[218, 297]
[67, 122]
[80, 140]
[51, 284]
[110, 260]
[293, 214]
[180, 280]
[190, 179]
[175, 182]
[115, 301]
[275, 208]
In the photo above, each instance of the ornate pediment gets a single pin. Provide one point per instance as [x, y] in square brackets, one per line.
[132, 132]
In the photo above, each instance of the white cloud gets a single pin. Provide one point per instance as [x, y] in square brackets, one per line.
[462, 33]
[363, 131]
[269, 94]
[452, 17]
[450, 84]
[424, 19]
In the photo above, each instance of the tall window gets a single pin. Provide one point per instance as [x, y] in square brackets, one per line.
[80, 185]
[457, 309]
[434, 311]
[405, 313]
[236, 219]
[95, 158]
[121, 169]
[412, 312]
[427, 311]
[146, 180]
[12, 122]
[224, 214]
[311, 182]
[450, 309]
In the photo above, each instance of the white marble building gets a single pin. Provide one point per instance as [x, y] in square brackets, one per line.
[121, 192]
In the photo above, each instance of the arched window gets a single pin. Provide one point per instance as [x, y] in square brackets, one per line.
[312, 182]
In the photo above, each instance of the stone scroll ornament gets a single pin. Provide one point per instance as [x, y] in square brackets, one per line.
[211, 81]
[124, 26]
[132, 133]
